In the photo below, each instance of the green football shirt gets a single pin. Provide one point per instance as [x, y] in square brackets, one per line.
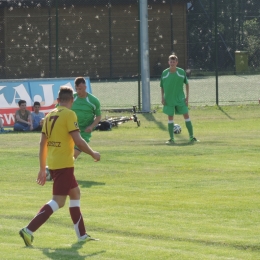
[86, 110]
[172, 84]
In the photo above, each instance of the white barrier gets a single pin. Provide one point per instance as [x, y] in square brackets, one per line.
[44, 91]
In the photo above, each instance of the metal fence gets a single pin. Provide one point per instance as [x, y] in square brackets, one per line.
[225, 32]
[217, 43]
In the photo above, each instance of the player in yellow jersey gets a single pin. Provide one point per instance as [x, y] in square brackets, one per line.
[59, 134]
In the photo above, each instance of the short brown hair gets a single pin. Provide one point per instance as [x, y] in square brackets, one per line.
[20, 102]
[36, 103]
[79, 80]
[65, 94]
[173, 57]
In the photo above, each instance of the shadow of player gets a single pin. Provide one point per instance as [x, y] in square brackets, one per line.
[68, 253]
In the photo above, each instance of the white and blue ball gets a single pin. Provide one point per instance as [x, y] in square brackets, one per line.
[177, 129]
[48, 174]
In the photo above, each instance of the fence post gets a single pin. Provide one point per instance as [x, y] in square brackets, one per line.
[110, 41]
[139, 60]
[57, 39]
[50, 39]
[145, 66]
[216, 47]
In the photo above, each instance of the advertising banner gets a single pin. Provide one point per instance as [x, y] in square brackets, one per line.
[44, 91]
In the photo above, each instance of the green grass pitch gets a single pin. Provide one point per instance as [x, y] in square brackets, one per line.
[144, 199]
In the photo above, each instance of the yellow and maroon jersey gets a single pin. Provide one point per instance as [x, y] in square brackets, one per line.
[58, 125]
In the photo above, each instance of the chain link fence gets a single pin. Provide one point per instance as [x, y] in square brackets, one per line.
[224, 50]
[217, 42]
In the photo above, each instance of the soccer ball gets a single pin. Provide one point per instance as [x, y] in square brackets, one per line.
[177, 129]
[48, 175]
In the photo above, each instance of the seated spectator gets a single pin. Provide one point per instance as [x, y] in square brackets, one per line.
[1, 126]
[23, 118]
[2, 130]
[37, 116]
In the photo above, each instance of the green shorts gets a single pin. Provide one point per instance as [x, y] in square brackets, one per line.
[175, 110]
[85, 136]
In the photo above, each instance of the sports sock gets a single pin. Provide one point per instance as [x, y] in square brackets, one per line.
[43, 215]
[77, 218]
[170, 129]
[189, 127]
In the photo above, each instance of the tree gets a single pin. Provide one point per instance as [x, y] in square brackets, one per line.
[237, 23]
[252, 42]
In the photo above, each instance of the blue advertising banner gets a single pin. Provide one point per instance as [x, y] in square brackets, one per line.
[44, 91]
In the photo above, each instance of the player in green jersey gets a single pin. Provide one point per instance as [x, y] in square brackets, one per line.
[87, 108]
[173, 98]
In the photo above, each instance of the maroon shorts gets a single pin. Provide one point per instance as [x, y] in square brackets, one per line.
[63, 181]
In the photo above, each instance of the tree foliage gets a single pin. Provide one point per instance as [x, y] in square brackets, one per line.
[237, 23]
[252, 42]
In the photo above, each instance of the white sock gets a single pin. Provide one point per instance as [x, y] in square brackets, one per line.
[54, 205]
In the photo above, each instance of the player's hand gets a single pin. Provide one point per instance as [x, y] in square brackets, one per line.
[96, 156]
[88, 129]
[41, 122]
[163, 101]
[41, 177]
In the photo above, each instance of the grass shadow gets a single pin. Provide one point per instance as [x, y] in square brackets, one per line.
[223, 244]
[225, 113]
[89, 184]
[175, 145]
[236, 246]
[68, 253]
[150, 117]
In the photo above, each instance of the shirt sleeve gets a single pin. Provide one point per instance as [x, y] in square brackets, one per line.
[44, 127]
[186, 81]
[72, 122]
[97, 111]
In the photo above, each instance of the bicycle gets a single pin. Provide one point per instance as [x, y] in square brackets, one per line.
[114, 121]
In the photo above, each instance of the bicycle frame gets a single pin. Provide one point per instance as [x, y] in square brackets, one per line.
[115, 121]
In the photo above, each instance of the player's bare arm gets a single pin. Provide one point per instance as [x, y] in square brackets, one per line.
[187, 94]
[30, 122]
[93, 125]
[19, 119]
[41, 179]
[83, 146]
[162, 93]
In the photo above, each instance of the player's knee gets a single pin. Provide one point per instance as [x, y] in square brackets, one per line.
[61, 204]
[60, 201]
[186, 116]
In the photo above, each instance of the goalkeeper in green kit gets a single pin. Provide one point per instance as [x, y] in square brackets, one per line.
[87, 108]
[173, 98]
